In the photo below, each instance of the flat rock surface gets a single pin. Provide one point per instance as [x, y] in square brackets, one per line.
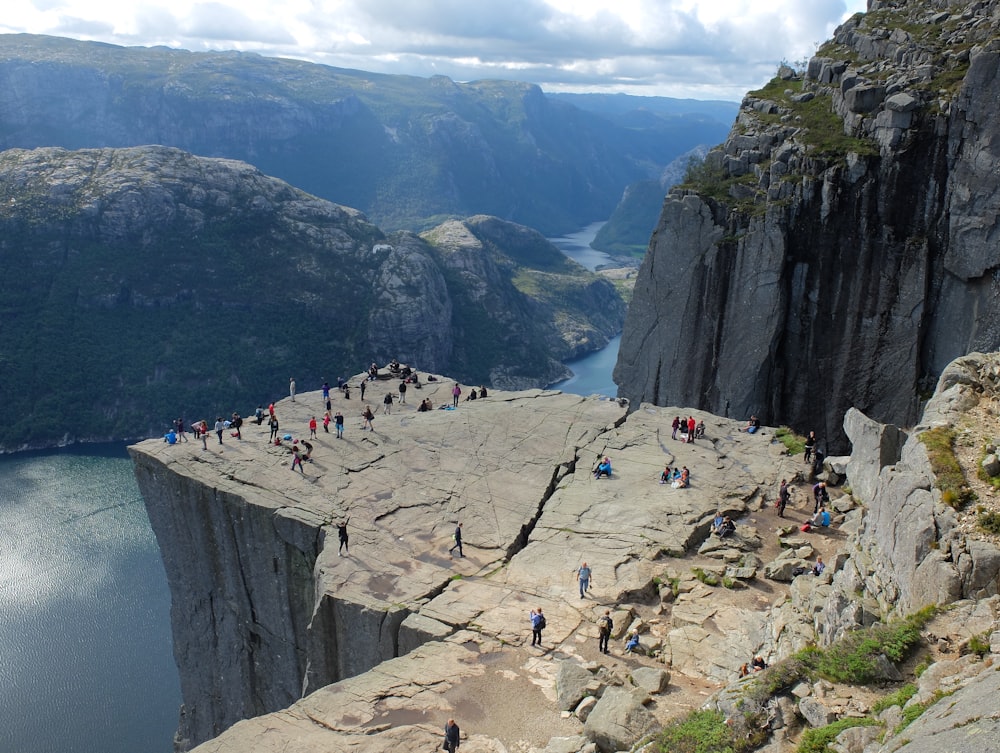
[515, 469]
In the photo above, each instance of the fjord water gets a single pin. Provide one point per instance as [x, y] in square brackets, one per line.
[591, 373]
[86, 664]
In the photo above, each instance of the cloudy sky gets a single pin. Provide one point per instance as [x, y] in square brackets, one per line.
[708, 49]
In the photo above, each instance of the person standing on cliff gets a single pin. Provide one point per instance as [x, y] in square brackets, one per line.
[338, 424]
[342, 535]
[387, 403]
[537, 626]
[451, 736]
[219, 427]
[402, 392]
[691, 425]
[291, 388]
[369, 418]
[312, 427]
[583, 576]
[604, 627]
[675, 426]
[456, 392]
[458, 541]
[783, 495]
[273, 425]
[810, 446]
[326, 391]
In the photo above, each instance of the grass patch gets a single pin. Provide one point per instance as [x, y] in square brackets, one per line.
[818, 740]
[794, 443]
[698, 732]
[949, 479]
[896, 698]
[912, 712]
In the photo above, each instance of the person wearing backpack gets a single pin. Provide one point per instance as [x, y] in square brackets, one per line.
[537, 626]
[604, 628]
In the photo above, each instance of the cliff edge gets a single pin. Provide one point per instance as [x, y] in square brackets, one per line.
[839, 249]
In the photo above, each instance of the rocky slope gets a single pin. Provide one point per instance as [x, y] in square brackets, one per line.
[840, 248]
[140, 284]
[402, 149]
[265, 611]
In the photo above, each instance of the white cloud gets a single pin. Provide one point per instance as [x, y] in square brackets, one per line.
[670, 47]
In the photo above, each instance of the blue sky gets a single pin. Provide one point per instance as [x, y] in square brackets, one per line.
[679, 48]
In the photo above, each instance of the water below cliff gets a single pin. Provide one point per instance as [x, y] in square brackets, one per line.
[592, 372]
[86, 664]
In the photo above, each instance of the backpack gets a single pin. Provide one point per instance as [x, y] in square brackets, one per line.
[541, 622]
[604, 625]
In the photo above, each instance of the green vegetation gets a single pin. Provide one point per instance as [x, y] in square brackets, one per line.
[823, 129]
[698, 732]
[795, 443]
[989, 521]
[914, 710]
[940, 444]
[707, 578]
[980, 644]
[896, 698]
[818, 740]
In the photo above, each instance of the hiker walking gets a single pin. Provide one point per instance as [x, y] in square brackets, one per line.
[458, 541]
[604, 628]
[451, 736]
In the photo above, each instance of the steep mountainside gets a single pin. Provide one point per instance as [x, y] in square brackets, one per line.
[400, 148]
[141, 284]
[841, 247]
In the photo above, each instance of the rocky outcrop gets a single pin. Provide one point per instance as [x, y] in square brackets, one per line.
[838, 250]
[361, 651]
[219, 281]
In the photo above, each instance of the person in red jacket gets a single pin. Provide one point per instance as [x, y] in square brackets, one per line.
[691, 426]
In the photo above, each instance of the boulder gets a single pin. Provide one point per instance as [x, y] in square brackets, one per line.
[991, 465]
[815, 712]
[783, 569]
[417, 629]
[619, 720]
[651, 679]
[584, 707]
[573, 682]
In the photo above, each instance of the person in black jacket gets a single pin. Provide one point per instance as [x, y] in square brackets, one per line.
[451, 736]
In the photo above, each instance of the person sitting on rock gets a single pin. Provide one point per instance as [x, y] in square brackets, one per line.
[717, 522]
[819, 567]
[758, 664]
[753, 424]
[632, 645]
[603, 468]
[728, 527]
[482, 392]
[665, 476]
[699, 430]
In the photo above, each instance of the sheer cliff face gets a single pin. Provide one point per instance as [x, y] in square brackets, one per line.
[841, 247]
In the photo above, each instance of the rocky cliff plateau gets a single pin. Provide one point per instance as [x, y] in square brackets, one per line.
[840, 248]
[284, 644]
[145, 283]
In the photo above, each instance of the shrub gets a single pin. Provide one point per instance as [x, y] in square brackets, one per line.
[989, 522]
[818, 740]
[855, 658]
[980, 644]
[698, 732]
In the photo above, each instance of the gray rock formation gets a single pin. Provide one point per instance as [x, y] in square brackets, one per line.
[819, 262]
[618, 720]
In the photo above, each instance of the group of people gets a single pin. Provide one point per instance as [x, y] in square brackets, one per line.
[678, 478]
[689, 429]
